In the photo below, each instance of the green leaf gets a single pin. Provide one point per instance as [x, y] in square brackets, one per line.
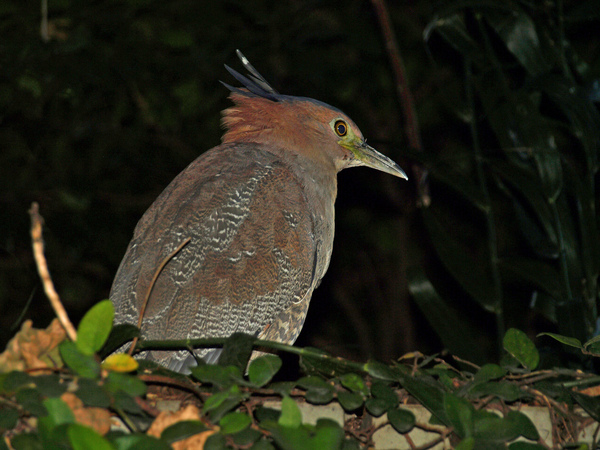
[350, 400]
[234, 422]
[317, 391]
[505, 390]
[538, 274]
[95, 327]
[460, 414]
[591, 405]
[526, 446]
[453, 29]
[264, 414]
[291, 417]
[246, 437]
[58, 411]
[262, 445]
[326, 434]
[126, 402]
[215, 401]
[92, 394]
[237, 350]
[355, 383]
[14, 380]
[401, 419]
[139, 441]
[461, 184]
[85, 438]
[263, 368]
[466, 444]
[31, 400]
[27, 441]
[521, 348]
[383, 391]
[573, 342]
[315, 361]
[216, 374]
[523, 425]
[8, 419]
[489, 372]
[427, 391]
[83, 365]
[376, 406]
[491, 427]
[473, 275]
[444, 318]
[283, 388]
[127, 383]
[119, 335]
[381, 371]
[182, 430]
[523, 188]
[592, 341]
[329, 435]
[292, 438]
[520, 36]
[215, 441]
[50, 385]
[221, 403]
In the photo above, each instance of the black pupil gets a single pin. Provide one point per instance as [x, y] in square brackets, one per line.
[341, 128]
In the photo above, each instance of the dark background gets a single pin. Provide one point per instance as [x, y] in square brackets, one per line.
[102, 110]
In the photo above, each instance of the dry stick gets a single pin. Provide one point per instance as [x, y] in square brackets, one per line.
[406, 99]
[42, 267]
[154, 278]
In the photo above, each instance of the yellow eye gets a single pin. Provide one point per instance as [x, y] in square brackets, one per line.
[341, 128]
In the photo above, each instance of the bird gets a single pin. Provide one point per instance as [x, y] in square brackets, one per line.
[241, 238]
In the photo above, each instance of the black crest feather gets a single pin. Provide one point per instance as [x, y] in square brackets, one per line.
[254, 82]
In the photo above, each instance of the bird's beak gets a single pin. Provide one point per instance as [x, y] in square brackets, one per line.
[370, 157]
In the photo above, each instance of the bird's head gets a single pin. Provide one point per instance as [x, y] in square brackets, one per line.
[297, 124]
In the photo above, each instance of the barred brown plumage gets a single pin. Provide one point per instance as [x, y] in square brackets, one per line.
[258, 211]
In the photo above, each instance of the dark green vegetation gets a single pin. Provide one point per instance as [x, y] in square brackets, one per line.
[99, 114]
[234, 413]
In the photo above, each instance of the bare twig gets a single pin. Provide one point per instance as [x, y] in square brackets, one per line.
[404, 94]
[154, 278]
[44, 24]
[42, 267]
[180, 383]
[464, 361]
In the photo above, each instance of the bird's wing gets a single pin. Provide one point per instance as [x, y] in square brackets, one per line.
[251, 253]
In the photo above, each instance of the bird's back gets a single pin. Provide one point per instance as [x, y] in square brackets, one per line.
[252, 258]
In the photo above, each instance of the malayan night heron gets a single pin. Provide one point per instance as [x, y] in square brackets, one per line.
[254, 221]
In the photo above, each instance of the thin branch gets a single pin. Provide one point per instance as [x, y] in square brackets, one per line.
[42, 267]
[464, 361]
[44, 24]
[404, 95]
[181, 383]
[152, 283]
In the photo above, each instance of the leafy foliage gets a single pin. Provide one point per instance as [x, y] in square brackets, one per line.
[514, 221]
[72, 406]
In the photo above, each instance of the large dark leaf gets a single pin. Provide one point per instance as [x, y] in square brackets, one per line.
[443, 317]
[519, 33]
[522, 185]
[538, 274]
[473, 276]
